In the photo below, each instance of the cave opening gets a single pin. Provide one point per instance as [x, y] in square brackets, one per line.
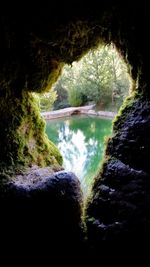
[33, 53]
[94, 88]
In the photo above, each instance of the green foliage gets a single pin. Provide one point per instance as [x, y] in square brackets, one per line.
[100, 76]
[62, 96]
[46, 100]
[74, 97]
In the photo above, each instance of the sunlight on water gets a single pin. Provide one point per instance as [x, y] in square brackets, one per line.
[81, 143]
[76, 152]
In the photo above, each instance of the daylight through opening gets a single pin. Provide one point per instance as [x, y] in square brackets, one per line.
[93, 89]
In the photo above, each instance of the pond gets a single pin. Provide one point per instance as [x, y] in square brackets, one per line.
[80, 140]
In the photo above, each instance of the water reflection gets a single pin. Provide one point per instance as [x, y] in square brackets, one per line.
[81, 142]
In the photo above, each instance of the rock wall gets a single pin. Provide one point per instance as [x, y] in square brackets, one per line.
[41, 215]
[120, 205]
[35, 44]
[33, 52]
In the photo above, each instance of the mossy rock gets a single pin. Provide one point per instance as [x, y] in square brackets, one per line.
[24, 141]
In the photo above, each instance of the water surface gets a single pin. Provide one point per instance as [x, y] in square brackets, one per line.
[80, 140]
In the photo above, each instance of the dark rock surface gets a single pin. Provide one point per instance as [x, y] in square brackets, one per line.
[41, 214]
[131, 140]
[35, 43]
[119, 209]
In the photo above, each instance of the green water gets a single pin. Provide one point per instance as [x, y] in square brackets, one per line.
[80, 140]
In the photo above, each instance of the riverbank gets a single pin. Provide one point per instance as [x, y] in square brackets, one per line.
[67, 112]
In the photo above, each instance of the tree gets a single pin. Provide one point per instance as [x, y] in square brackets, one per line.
[104, 77]
[69, 80]
[74, 97]
[62, 96]
[46, 100]
[97, 76]
[121, 79]
[100, 76]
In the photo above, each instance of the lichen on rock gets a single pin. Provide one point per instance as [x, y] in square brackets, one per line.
[24, 141]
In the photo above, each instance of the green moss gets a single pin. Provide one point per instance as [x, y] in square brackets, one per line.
[54, 74]
[45, 78]
[32, 60]
[125, 109]
[24, 141]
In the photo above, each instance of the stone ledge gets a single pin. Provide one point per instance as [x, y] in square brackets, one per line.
[66, 112]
